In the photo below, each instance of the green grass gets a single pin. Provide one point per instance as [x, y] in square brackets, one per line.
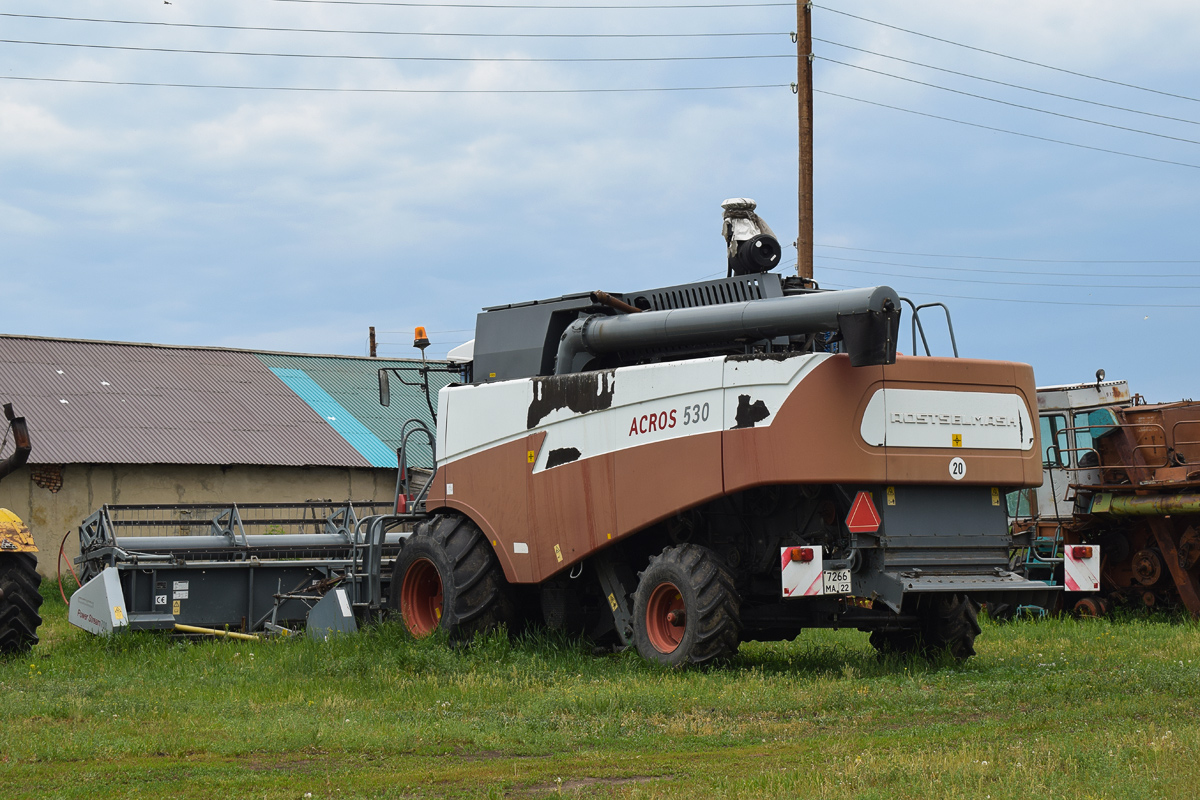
[1048, 709]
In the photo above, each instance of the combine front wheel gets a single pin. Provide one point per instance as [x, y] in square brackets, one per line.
[19, 602]
[685, 609]
[446, 576]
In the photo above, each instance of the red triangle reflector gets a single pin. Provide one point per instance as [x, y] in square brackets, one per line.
[863, 518]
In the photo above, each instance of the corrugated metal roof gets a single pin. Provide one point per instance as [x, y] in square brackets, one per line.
[342, 379]
[122, 403]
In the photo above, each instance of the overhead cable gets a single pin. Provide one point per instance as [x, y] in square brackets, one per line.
[1005, 258]
[1002, 102]
[389, 58]
[1038, 302]
[1005, 55]
[1005, 271]
[1005, 83]
[531, 7]
[351, 90]
[272, 29]
[1005, 130]
[1122, 287]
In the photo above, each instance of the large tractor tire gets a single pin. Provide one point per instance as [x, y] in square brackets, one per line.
[949, 622]
[952, 624]
[686, 610]
[447, 576]
[19, 602]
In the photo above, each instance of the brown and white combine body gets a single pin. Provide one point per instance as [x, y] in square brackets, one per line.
[688, 467]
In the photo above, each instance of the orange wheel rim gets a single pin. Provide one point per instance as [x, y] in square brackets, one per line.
[421, 597]
[665, 620]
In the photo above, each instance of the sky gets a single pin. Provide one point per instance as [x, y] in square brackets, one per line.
[293, 220]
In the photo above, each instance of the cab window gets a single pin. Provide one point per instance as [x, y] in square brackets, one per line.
[1055, 447]
[1083, 436]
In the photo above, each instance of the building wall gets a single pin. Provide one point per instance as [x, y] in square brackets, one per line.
[85, 487]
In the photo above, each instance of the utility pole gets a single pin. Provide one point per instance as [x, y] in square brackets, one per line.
[804, 97]
[372, 341]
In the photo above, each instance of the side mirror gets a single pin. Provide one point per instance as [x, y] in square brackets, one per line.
[385, 391]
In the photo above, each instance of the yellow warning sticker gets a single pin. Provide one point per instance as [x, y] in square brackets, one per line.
[175, 607]
[557, 553]
[118, 612]
[995, 496]
[956, 440]
[612, 601]
[530, 456]
[891, 495]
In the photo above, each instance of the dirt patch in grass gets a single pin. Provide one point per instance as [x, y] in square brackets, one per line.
[583, 783]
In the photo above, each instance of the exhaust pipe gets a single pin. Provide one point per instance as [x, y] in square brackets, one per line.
[867, 319]
[20, 439]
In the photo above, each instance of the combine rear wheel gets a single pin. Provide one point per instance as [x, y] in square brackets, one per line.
[447, 577]
[19, 602]
[686, 610]
[952, 624]
[947, 622]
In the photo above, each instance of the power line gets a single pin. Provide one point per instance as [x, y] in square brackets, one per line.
[1037, 302]
[1005, 55]
[528, 7]
[1003, 258]
[350, 90]
[402, 33]
[386, 58]
[999, 271]
[1013, 133]
[1005, 83]
[1002, 102]
[1123, 287]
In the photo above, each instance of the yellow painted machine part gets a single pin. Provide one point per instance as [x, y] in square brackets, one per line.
[14, 536]
[250, 637]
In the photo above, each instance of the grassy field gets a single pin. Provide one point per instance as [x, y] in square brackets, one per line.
[1048, 709]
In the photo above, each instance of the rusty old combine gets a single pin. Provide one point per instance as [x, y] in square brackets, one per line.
[1121, 479]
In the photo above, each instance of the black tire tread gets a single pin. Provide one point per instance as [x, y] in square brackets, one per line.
[480, 600]
[716, 614]
[948, 622]
[19, 603]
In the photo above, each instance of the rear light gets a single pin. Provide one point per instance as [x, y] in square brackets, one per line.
[802, 554]
[1081, 552]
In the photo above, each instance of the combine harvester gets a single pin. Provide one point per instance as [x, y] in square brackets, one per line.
[677, 469]
[1121, 487]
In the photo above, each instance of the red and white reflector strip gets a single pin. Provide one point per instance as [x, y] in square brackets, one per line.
[1081, 568]
[802, 572]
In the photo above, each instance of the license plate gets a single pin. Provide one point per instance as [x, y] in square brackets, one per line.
[835, 581]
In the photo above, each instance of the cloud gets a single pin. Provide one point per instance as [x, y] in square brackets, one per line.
[293, 220]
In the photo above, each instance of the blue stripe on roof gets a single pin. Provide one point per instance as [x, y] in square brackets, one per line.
[341, 420]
